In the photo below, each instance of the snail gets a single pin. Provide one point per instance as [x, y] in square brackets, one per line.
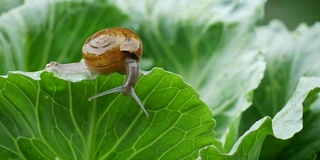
[107, 51]
[115, 50]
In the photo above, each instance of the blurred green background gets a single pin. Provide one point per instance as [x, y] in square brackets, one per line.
[293, 12]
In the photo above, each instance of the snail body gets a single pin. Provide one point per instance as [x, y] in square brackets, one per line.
[115, 50]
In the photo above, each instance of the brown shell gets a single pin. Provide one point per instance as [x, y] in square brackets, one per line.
[105, 51]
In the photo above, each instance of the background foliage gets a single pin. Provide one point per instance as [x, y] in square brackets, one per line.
[231, 88]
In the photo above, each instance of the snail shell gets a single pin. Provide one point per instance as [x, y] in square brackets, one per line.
[106, 50]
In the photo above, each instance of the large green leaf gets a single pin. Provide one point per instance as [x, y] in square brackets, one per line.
[210, 48]
[6, 5]
[38, 32]
[211, 44]
[308, 137]
[301, 60]
[286, 123]
[52, 118]
[289, 56]
[247, 147]
[206, 51]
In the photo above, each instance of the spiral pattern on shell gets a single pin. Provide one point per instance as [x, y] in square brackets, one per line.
[105, 51]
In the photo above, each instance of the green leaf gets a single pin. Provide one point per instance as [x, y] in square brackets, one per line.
[286, 123]
[247, 147]
[286, 64]
[289, 121]
[214, 45]
[206, 51]
[308, 137]
[205, 48]
[38, 32]
[52, 118]
[6, 5]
